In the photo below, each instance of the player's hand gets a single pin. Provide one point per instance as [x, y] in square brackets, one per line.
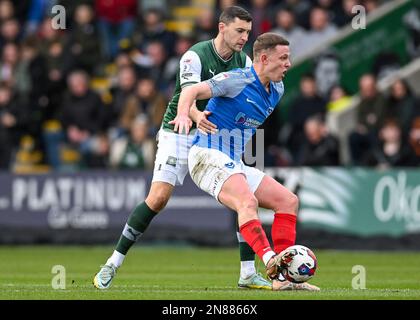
[204, 125]
[182, 124]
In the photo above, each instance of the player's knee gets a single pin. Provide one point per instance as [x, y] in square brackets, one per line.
[286, 202]
[249, 204]
[293, 201]
[157, 200]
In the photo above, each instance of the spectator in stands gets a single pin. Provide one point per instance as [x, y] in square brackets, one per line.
[82, 108]
[38, 10]
[96, 156]
[301, 10]
[57, 62]
[116, 21]
[401, 105]
[7, 10]
[391, 149]
[369, 118]
[31, 74]
[10, 32]
[18, 9]
[308, 104]
[319, 148]
[32, 88]
[83, 43]
[285, 25]
[125, 88]
[330, 6]
[170, 72]
[261, 11]
[48, 35]
[321, 29]
[137, 151]
[147, 100]
[154, 31]
[123, 60]
[414, 138]
[345, 15]
[223, 4]
[153, 64]
[81, 116]
[205, 25]
[370, 5]
[12, 122]
[339, 99]
[8, 64]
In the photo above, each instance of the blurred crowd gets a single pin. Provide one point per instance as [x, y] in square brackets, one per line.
[92, 95]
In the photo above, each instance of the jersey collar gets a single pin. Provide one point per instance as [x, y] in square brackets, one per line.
[217, 53]
[262, 87]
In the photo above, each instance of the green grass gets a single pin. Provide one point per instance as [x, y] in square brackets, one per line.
[178, 273]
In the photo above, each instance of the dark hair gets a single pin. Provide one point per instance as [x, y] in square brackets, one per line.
[268, 40]
[229, 14]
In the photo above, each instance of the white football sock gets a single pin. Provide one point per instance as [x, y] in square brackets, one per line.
[267, 256]
[247, 269]
[116, 259]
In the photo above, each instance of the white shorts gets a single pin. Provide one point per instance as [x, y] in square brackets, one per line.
[172, 157]
[210, 168]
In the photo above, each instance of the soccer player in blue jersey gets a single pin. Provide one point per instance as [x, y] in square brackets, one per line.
[241, 100]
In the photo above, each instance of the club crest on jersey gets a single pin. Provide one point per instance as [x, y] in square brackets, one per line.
[230, 165]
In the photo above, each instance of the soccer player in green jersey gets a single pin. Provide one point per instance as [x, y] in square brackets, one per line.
[201, 62]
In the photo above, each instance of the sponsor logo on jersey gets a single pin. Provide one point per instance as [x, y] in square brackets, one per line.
[212, 72]
[186, 76]
[269, 110]
[241, 118]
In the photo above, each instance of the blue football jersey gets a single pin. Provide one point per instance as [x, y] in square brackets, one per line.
[240, 104]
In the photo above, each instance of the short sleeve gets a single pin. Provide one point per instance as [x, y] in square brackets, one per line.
[229, 84]
[189, 69]
[219, 84]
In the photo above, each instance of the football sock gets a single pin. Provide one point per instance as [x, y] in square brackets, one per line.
[247, 256]
[283, 231]
[254, 234]
[247, 269]
[116, 259]
[136, 225]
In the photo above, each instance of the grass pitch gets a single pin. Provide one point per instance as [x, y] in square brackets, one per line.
[178, 273]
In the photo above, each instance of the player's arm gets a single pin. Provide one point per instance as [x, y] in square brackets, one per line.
[198, 91]
[200, 118]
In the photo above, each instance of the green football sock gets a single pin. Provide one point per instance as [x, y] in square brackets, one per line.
[136, 225]
[245, 251]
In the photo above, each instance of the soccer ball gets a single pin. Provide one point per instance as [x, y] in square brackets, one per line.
[302, 266]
